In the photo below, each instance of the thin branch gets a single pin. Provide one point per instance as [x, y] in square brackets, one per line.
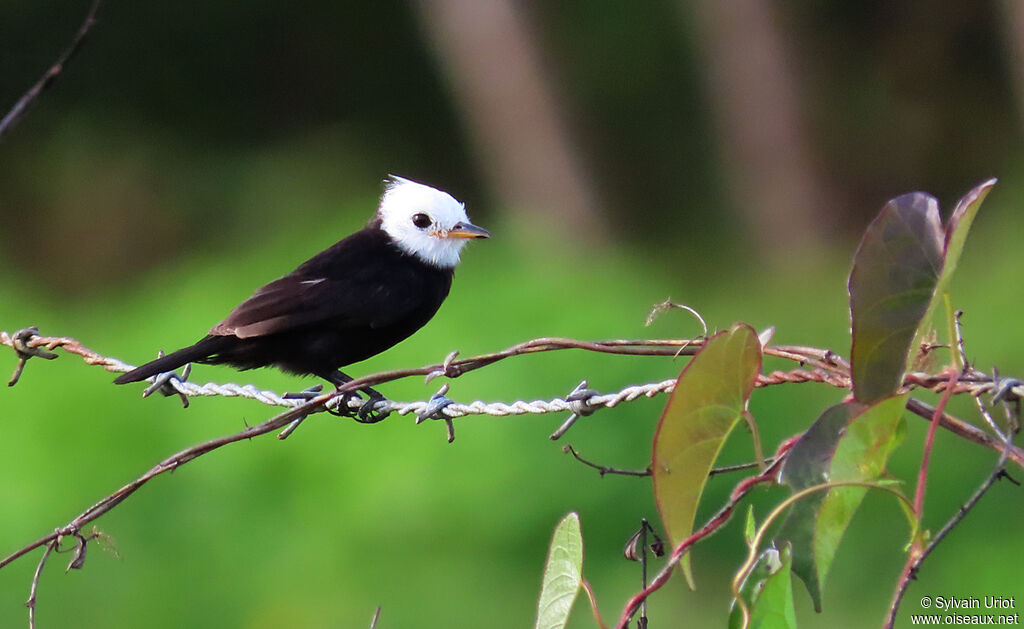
[20, 107]
[34, 589]
[965, 430]
[914, 565]
[169, 464]
[605, 469]
[916, 546]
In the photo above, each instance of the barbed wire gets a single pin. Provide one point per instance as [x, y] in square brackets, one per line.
[28, 343]
[816, 365]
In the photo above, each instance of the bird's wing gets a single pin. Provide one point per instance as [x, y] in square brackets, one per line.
[364, 298]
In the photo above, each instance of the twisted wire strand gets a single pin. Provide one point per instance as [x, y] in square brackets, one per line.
[479, 407]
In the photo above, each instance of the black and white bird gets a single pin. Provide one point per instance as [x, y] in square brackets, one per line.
[347, 303]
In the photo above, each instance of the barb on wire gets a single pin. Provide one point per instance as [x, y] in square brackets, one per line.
[434, 410]
[579, 398]
[20, 343]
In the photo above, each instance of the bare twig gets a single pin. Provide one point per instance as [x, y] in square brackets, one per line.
[34, 589]
[965, 430]
[20, 107]
[605, 469]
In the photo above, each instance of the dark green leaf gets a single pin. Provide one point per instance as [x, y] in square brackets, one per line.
[848, 443]
[710, 397]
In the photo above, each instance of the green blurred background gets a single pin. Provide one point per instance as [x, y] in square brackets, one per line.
[726, 154]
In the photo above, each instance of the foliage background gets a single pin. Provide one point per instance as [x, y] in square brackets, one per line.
[194, 151]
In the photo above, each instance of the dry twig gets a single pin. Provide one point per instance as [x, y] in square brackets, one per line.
[19, 108]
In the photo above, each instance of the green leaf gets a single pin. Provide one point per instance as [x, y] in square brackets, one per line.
[956, 230]
[563, 573]
[768, 593]
[750, 526]
[959, 224]
[850, 442]
[894, 274]
[710, 397]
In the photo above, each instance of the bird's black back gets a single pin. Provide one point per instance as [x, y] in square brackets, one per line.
[351, 301]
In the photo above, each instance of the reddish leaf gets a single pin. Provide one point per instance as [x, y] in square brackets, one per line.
[894, 274]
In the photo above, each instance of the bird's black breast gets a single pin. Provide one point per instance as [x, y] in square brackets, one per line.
[349, 302]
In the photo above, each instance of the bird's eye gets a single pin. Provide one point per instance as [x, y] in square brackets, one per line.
[421, 220]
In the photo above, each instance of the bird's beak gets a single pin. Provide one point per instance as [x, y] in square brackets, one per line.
[467, 230]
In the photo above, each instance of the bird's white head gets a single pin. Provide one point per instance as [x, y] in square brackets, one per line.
[426, 222]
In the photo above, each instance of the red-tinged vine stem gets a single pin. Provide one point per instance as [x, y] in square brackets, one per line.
[917, 545]
[918, 551]
[929, 442]
[716, 521]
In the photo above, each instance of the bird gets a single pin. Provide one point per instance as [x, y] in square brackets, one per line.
[353, 300]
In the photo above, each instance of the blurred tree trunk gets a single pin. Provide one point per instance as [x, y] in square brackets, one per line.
[754, 94]
[523, 145]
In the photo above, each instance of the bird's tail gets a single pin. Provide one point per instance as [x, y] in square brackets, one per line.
[203, 349]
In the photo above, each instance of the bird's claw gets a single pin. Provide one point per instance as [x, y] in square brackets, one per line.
[344, 407]
[306, 394]
[372, 411]
[368, 411]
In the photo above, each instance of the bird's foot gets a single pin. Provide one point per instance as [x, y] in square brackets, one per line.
[345, 406]
[373, 410]
[368, 411]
